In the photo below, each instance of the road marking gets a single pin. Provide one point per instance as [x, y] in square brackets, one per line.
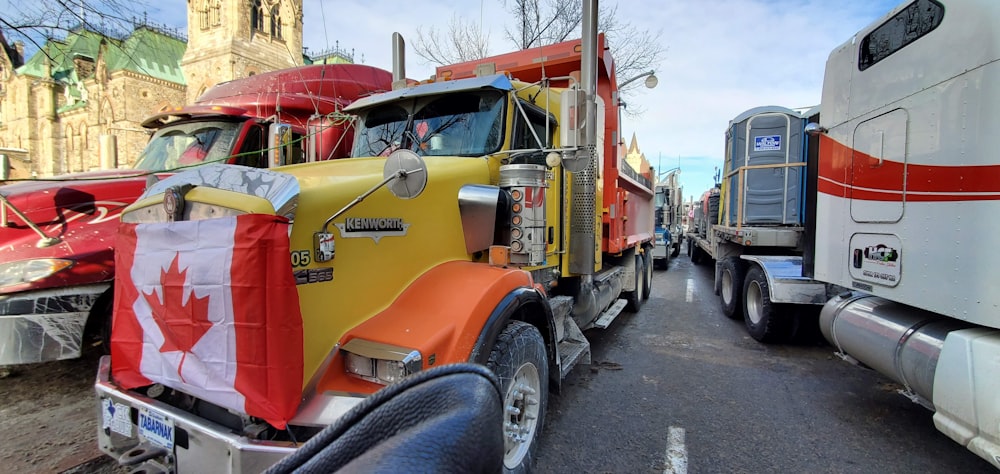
[690, 290]
[676, 461]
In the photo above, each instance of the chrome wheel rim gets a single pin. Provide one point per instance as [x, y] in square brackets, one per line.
[755, 303]
[521, 405]
[727, 287]
[638, 286]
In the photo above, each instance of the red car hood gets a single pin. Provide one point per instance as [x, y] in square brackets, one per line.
[82, 210]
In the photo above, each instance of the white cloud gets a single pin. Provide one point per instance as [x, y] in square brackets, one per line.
[723, 57]
[727, 56]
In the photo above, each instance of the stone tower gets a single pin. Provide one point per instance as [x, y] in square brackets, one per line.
[230, 39]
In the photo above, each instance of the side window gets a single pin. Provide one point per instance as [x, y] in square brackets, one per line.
[298, 149]
[523, 139]
[252, 151]
[914, 21]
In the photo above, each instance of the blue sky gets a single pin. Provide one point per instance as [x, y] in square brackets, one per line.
[722, 57]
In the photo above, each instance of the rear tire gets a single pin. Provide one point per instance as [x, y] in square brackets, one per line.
[647, 275]
[731, 273]
[698, 256]
[676, 250]
[520, 362]
[765, 322]
[634, 298]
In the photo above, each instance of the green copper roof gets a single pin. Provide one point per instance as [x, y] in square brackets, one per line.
[332, 59]
[60, 54]
[149, 52]
[144, 51]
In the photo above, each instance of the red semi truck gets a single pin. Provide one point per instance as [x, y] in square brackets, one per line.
[57, 264]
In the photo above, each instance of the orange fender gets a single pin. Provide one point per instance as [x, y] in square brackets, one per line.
[452, 313]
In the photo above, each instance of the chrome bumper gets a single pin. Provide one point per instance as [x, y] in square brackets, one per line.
[201, 445]
[45, 325]
[661, 250]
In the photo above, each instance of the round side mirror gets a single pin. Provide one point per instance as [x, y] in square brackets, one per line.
[576, 161]
[812, 129]
[413, 179]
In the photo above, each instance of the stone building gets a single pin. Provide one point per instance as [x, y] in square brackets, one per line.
[77, 104]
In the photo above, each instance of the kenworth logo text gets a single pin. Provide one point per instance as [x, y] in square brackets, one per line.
[373, 227]
[372, 224]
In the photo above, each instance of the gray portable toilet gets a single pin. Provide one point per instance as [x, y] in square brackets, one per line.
[766, 136]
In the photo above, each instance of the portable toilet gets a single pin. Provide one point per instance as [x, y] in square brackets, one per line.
[765, 167]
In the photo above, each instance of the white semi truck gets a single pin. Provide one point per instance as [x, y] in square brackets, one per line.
[667, 210]
[901, 193]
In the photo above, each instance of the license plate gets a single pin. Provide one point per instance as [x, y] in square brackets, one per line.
[116, 416]
[156, 428]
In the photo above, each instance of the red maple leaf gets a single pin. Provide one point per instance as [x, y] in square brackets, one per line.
[182, 325]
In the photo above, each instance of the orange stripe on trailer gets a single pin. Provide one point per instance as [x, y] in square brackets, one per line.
[848, 173]
[441, 314]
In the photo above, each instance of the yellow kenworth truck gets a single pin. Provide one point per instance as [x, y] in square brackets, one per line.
[485, 216]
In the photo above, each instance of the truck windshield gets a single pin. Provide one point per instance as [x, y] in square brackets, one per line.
[459, 124]
[661, 198]
[188, 143]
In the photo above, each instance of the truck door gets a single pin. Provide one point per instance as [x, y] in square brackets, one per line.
[878, 168]
[251, 153]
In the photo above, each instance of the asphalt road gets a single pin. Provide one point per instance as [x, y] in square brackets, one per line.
[680, 385]
[675, 385]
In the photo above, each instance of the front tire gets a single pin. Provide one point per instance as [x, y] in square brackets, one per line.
[764, 321]
[520, 362]
[731, 274]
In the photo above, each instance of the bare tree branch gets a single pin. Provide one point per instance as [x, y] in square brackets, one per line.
[39, 21]
[542, 22]
[465, 41]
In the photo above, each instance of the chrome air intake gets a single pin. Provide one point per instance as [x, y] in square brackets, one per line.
[526, 185]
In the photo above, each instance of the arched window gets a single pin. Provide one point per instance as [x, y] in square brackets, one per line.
[276, 22]
[203, 20]
[215, 12]
[256, 16]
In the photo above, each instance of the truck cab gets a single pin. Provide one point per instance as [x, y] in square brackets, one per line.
[476, 221]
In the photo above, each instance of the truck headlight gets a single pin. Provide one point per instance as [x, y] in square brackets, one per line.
[27, 271]
[380, 363]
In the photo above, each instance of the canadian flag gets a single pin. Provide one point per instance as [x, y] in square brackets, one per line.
[210, 308]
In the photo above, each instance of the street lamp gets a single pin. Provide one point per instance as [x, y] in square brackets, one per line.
[663, 176]
[651, 80]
